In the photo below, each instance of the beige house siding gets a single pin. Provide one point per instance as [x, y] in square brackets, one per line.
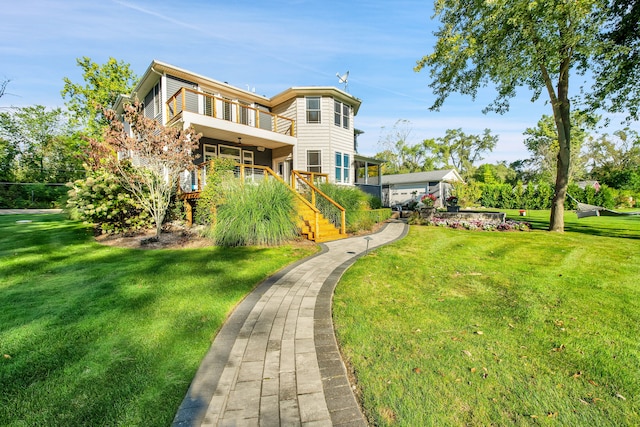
[324, 136]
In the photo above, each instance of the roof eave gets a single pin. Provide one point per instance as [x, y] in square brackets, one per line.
[294, 92]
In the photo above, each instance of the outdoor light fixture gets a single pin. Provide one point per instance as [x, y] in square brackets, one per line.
[261, 148]
[368, 239]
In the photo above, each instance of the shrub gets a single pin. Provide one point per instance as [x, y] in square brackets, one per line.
[255, 214]
[366, 219]
[468, 194]
[625, 199]
[22, 196]
[212, 196]
[350, 198]
[357, 204]
[374, 202]
[100, 199]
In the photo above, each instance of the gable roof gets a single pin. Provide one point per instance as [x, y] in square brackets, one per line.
[157, 68]
[430, 176]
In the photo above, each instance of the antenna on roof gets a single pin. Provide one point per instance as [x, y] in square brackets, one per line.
[344, 79]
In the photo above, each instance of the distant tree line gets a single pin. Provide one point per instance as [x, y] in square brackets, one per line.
[613, 160]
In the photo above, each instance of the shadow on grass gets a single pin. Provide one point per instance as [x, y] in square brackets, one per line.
[98, 335]
[605, 226]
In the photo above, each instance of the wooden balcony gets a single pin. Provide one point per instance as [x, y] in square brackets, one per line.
[224, 119]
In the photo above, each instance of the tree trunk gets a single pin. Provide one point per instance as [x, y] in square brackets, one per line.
[561, 114]
[556, 222]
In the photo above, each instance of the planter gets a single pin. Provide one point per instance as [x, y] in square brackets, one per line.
[453, 208]
[523, 212]
[427, 212]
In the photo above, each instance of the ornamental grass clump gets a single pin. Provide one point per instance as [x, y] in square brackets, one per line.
[255, 214]
[356, 202]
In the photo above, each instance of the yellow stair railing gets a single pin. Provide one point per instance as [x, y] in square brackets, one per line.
[331, 210]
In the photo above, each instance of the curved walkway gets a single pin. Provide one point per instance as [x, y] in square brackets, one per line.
[276, 361]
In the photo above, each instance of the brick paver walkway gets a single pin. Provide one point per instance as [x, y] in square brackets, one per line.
[276, 361]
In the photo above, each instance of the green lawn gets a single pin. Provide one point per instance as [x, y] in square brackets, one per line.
[455, 327]
[92, 335]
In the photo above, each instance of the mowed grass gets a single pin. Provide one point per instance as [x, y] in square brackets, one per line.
[454, 327]
[92, 335]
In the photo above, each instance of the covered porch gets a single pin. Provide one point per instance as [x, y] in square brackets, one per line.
[368, 175]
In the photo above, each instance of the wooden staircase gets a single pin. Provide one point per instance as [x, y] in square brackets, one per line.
[315, 227]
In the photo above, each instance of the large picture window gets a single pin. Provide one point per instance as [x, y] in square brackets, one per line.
[313, 109]
[314, 161]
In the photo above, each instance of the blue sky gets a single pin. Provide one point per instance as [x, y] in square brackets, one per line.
[268, 45]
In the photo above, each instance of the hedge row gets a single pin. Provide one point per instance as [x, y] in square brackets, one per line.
[540, 196]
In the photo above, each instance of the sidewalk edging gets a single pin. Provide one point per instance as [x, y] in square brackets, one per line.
[193, 410]
[342, 402]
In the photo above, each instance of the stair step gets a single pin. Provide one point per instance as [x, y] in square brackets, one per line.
[326, 230]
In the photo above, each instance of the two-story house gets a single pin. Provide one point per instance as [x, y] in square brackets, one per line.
[308, 129]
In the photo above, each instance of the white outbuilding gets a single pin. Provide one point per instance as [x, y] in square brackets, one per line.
[403, 189]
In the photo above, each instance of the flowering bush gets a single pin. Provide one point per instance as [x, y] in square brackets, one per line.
[101, 200]
[508, 225]
[428, 199]
[452, 200]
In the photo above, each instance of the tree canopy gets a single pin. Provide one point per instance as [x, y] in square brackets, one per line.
[617, 71]
[513, 43]
[542, 143]
[461, 151]
[102, 85]
[38, 145]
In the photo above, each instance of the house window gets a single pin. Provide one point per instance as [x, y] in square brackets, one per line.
[345, 116]
[229, 152]
[313, 109]
[342, 167]
[152, 102]
[346, 162]
[209, 152]
[341, 114]
[314, 161]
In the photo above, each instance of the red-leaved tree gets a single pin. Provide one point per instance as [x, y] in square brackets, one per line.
[151, 159]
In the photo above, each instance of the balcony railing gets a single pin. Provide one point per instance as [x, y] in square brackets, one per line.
[194, 181]
[197, 102]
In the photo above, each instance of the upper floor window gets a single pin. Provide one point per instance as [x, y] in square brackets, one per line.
[313, 109]
[153, 102]
[341, 114]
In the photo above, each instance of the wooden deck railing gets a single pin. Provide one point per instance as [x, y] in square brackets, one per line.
[194, 101]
